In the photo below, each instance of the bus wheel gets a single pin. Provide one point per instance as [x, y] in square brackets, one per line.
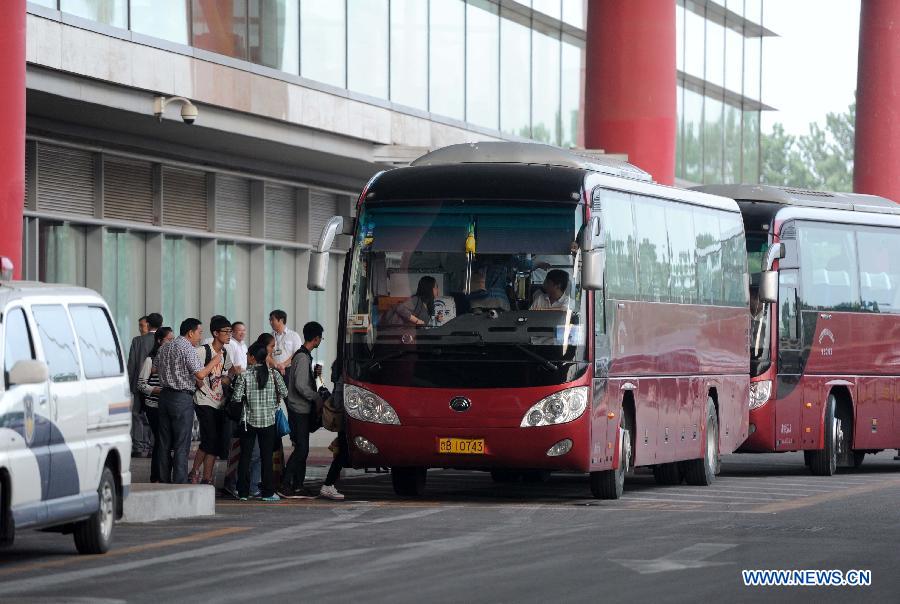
[668, 474]
[609, 484]
[858, 457]
[93, 536]
[702, 472]
[408, 482]
[505, 476]
[823, 462]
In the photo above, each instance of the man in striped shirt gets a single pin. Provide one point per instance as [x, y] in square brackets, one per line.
[179, 370]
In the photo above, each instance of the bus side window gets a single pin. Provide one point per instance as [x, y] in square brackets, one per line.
[601, 340]
[789, 353]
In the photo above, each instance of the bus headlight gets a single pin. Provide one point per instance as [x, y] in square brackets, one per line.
[367, 406]
[760, 393]
[558, 408]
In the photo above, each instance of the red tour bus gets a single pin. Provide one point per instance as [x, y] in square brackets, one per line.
[825, 336]
[453, 357]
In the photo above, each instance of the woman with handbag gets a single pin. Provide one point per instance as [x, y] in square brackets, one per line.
[259, 387]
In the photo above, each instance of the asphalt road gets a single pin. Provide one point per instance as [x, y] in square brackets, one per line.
[469, 540]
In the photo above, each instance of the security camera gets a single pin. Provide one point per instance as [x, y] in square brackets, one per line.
[188, 109]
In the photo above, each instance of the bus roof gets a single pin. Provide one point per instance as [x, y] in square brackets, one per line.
[529, 154]
[805, 198]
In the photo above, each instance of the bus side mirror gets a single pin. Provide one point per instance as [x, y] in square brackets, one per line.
[317, 279]
[592, 235]
[768, 285]
[593, 264]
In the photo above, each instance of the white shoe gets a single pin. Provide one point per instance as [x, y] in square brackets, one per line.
[329, 492]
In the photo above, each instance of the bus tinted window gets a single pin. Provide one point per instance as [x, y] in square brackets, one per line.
[652, 249]
[621, 268]
[682, 253]
[709, 256]
[734, 267]
[879, 269]
[828, 275]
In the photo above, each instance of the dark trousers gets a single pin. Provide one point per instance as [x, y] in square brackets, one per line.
[295, 470]
[157, 454]
[176, 418]
[341, 460]
[265, 437]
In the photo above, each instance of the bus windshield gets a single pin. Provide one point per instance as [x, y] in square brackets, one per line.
[760, 332]
[466, 294]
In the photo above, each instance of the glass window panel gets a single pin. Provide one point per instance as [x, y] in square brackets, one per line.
[709, 256]
[751, 147]
[275, 34]
[279, 290]
[233, 281]
[731, 168]
[515, 78]
[879, 269]
[18, 345]
[110, 12]
[753, 10]
[715, 53]
[828, 268]
[166, 19]
[621, 265]
[409, 53]
[734, 60]
[124, 278]
[570, 101]
[679, 131]
[693, 144]
[652, 249]
[220, 27]
[482, 64]
[447, 26]
[752, 58]
[545, 59]
[573, 12]
[682, 253]
[322, 41]
[58, 342]
[180, 269]
[712, 141]
[694, 33]
[63, 258]
[679, 37]
[735, 6]
[99, 347]
[734, 260]
[367, 47]
[47, 3]
[548, 7]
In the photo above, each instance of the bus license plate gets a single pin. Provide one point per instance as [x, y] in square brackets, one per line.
[465, 446]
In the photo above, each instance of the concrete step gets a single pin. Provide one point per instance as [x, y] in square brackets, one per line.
[152, 502]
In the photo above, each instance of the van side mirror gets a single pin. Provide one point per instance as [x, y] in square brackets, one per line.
[28, 371]
[317, 278]
[768, 284]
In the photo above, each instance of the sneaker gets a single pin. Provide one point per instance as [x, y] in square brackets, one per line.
[243, 498]
[272, 497]
[229, 492]
[301, 493]
[329, 492]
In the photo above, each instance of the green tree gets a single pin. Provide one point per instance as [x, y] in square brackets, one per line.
[821, 159]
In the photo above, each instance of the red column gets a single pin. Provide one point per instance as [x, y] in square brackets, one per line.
[12, 130]
[630, 82]
[877, 162]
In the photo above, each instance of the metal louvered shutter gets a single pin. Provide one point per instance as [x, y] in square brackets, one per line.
[29, 152]
[322, 206]
[128, 190]
[281, 213]
[184, 199]
[65, 180]
[232, 205]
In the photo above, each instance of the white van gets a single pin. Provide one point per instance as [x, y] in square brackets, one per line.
[65, 414]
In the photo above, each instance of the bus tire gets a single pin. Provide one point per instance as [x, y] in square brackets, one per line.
[94, 535]
[408, 482]
[823, 462]
[858, 457]
[610, 484]
[668, 474]
[702, 472]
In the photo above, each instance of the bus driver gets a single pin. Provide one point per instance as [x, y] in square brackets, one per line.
[553, 292]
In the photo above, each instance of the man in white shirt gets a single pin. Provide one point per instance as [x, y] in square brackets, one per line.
[237, 347]
[287, 341]
[553, 293]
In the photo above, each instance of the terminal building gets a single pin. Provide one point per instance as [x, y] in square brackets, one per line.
[299, 102]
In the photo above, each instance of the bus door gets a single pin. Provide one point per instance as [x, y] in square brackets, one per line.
[789, 390]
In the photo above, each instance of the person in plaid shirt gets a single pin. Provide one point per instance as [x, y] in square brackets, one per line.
[262, 386]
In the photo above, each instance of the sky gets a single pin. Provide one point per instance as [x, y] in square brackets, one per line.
[809, 70]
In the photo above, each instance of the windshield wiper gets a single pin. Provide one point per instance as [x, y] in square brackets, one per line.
[545, 363]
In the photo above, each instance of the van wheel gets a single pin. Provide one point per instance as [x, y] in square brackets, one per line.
[702, 472]
[823, 462]
[668, 474]
[94, 535]
[408, 482]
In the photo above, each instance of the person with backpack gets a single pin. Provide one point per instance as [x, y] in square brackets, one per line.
[209, 399]
[258, 389]
[302, 403]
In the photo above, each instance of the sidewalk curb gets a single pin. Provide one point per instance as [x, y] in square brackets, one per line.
[152, 502]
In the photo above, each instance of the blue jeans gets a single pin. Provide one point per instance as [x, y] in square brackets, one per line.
[176, 417]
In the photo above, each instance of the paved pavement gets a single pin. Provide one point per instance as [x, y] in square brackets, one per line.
[472, 540]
